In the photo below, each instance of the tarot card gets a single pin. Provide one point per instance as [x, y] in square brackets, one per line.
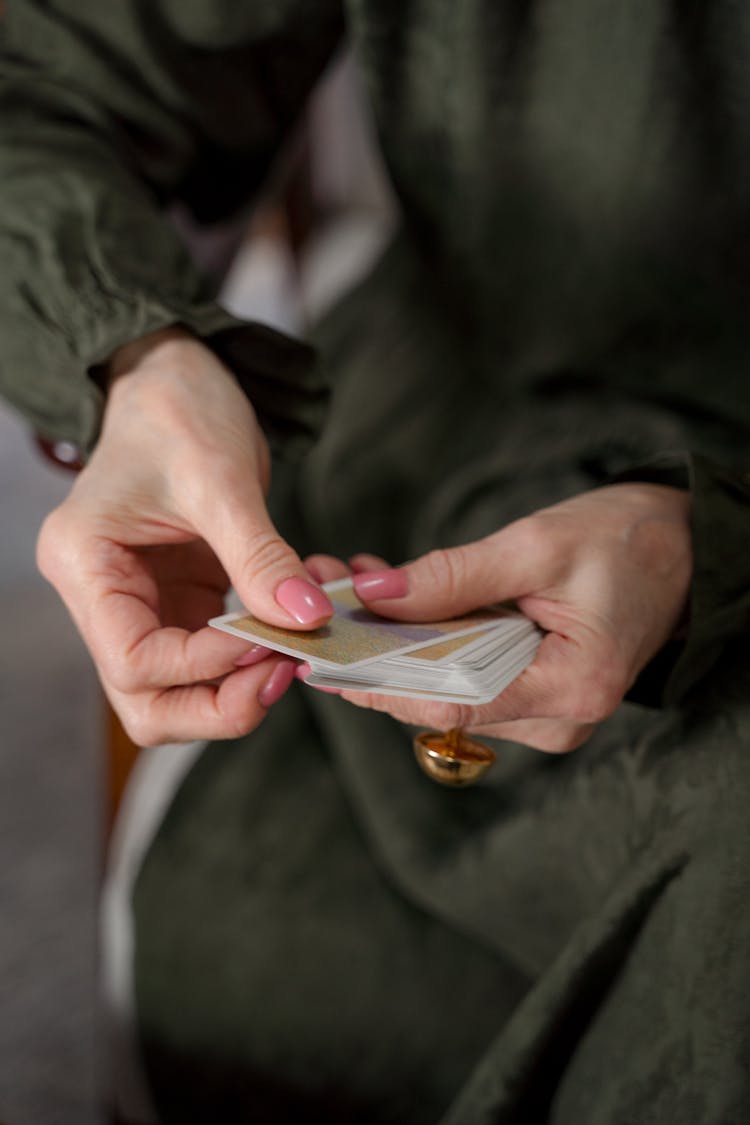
[354, 636]
[477, 676]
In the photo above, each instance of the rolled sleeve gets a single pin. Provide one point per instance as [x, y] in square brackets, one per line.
[106, 114]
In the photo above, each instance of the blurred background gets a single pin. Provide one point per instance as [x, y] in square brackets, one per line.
[50, 808]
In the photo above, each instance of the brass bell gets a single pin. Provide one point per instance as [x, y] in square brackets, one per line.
[451, 757]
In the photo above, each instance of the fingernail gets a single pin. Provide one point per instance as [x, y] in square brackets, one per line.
[253, 655]
[277, 683]
[305, 602]
[381, 584]
[304, 670]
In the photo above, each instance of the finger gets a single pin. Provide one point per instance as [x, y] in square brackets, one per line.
[326, 568]
[364, 562]
[191, 582]
[205, 711]
[267, 574]
[303, 670]
[114, 599]
[164, 658]
[554, 736]
[254, 655]
[445, 583]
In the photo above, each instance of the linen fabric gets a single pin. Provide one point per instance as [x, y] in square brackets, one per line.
[321, 933]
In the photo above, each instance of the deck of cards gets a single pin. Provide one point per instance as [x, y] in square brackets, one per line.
[468, 659]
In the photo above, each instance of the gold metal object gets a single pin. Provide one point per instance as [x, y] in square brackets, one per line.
[451, 757]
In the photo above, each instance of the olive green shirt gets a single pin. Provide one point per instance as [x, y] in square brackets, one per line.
[574, 180]
[321, 934]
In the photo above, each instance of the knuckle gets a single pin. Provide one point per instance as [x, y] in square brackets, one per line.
[138, 726]
[446, 569]
[533, 535]
[446, 716]
[52, 545]
[120, 673]
[239, 725]
[267, 552]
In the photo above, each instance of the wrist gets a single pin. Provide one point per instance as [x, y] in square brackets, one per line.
[159, 344]
[162, 373]
[170, 389]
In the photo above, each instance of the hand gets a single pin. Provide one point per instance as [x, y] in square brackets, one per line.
[168, 511]
[606, 574]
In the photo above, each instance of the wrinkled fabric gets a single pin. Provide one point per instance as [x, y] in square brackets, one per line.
[107, 114]
[321, 933]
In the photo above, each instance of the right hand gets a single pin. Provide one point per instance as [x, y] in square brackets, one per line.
[168, 512]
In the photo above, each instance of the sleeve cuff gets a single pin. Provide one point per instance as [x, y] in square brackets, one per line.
[278, 374]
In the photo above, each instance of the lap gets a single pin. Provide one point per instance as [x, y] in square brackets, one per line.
[640, 1010]
[279, 976]
[322, 930]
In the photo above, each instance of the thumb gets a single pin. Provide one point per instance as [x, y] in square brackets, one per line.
[447, 583]
[267, 574]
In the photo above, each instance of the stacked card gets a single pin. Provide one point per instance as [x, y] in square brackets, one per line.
[468, 659]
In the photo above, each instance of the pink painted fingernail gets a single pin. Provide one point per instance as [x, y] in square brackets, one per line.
[304, 670]
[277, 683]
[303, 601]
[381, 584]
[253, 655]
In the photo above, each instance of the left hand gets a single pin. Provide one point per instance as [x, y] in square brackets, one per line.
[169, 509]
[605, 574]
